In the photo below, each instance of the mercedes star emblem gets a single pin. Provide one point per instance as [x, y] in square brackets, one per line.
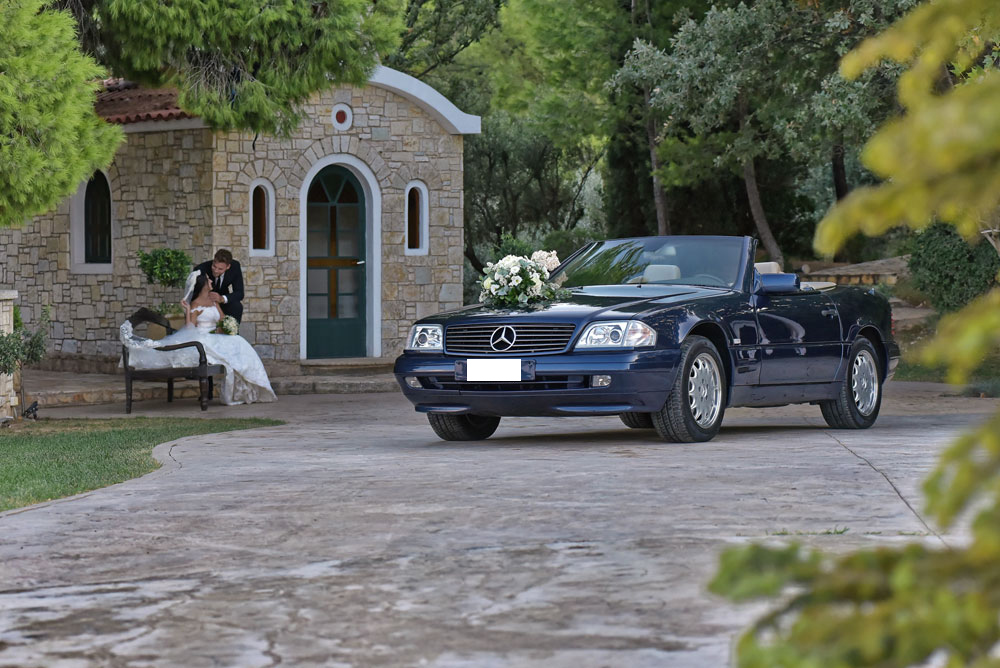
[503, 339]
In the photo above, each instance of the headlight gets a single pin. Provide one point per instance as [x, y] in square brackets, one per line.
[617, 334]
[424, 337]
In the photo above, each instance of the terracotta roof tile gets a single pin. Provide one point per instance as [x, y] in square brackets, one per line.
[125, 102]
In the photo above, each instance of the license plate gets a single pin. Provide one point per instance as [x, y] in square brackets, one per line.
[492, 371]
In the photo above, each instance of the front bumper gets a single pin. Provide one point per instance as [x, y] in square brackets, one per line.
[640, 382]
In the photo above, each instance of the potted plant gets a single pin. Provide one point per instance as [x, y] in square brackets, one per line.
[174, 314]
[22, 347]
[168, 267]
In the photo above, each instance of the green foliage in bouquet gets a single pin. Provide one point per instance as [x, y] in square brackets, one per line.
[516, 280]
[228, 325]
[165, 266]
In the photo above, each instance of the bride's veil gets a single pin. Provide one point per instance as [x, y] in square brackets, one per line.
[189, 286]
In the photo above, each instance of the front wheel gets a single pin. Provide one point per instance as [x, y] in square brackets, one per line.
[860, 397]
[693, 411]
[637, 420]
[463, 427]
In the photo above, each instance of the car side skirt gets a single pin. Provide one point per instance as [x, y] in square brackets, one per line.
[762, 396]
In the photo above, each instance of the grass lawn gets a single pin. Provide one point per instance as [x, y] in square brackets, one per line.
[49, 459]
[985, 380]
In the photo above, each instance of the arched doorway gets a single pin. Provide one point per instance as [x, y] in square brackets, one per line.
[336, 276]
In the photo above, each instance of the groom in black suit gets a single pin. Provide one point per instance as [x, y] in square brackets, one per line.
[227, 282]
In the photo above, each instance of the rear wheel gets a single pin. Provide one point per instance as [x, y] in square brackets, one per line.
[693, 411]
[637, 420]
[860, 397]
[463, 427]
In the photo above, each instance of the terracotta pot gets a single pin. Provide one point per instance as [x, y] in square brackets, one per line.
[156, 332]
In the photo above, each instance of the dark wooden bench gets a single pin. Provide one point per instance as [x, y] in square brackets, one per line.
[203, 372]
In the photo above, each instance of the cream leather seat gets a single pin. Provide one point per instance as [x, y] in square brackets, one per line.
[767, 268]
[656, 273]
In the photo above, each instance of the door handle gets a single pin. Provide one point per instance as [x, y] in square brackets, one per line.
[361, 262]
[831, 312]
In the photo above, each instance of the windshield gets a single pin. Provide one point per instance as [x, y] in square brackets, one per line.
[708, 261]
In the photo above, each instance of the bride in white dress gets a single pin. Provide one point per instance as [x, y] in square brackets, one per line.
[246, 380]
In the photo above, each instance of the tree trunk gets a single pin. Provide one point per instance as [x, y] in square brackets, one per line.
[659, 194]
[840, 187]
[470, 255]
[757, 209]
[993, 236]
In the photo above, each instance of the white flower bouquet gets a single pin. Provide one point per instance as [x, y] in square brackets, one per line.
[516, 280]
[228, 325]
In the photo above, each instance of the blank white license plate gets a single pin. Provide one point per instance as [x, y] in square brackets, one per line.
[491, 371]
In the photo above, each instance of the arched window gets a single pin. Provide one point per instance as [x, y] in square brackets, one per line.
[92, 226]
[261, 218]
[97, 221]
[416, 215]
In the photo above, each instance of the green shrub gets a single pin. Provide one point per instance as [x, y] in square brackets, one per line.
[511, 245]
[169, 309]
[165, 266]
[950, 271]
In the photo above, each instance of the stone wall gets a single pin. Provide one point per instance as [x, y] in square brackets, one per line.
[398, 142]
[7, 397]
[160, 189]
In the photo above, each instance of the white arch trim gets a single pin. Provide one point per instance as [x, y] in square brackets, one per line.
[423, 216]
[451, 118]
[269, 200]
[77, 205]
[373, 248]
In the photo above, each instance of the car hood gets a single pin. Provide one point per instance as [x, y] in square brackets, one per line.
[607, 301]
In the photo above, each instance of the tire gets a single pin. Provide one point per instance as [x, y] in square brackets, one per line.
[693, 411]
[860, 396]
[637, 420]
[463, 427]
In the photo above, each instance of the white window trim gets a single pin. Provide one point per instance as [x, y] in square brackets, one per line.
[348, 122]
[77, 218]
[269, 189]
[424, 218]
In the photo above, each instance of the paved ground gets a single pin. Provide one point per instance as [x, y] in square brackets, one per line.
[353, 537]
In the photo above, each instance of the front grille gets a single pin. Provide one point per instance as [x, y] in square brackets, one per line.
[530, 339]
[540, 383]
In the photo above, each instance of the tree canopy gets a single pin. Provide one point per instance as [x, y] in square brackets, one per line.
[239, 64]
[733, 83]
[50, 137]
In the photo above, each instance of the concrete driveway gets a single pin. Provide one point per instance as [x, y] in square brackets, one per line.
[353, 537]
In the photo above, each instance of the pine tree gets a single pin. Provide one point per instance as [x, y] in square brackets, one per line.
[50, 137]
[240, 64]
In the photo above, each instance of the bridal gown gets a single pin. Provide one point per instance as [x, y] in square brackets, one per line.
[246, 380]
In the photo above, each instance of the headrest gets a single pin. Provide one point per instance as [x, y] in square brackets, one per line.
[767, 268]
[656, 273]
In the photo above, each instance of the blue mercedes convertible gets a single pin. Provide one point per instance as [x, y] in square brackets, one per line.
[665, 332]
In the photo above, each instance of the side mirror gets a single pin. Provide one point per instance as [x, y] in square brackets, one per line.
[775, 284]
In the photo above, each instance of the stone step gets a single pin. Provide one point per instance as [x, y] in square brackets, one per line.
[65, 389]
[357, 366]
